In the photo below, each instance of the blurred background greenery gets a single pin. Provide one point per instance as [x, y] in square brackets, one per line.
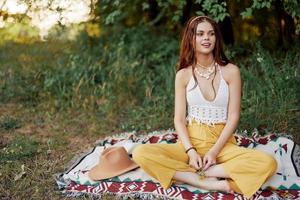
[119, 63]
[72, 71]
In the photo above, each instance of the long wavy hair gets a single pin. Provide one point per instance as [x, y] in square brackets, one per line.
[188, 46]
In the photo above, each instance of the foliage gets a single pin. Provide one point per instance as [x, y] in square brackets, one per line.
[127, 80]
[291, 7]
[216, 9]
[117, 10]
[126, 75]
[43, 15]
[116, 78]
[249, 20]
[271, 92]
[129, 12]
[18, 32]
[256, 5]
[20, 66]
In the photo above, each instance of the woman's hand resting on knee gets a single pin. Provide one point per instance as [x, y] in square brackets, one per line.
[195, 160]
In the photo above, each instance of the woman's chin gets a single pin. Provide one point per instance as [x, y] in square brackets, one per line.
[205, 51]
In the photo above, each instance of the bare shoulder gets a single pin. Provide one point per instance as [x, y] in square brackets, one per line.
[230, 72]
[183, 75]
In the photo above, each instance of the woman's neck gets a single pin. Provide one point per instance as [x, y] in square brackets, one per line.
[204, 59]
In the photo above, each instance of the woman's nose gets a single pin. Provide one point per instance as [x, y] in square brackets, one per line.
[206, 37]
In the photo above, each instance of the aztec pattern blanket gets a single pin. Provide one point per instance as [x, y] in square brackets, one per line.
[285, 184]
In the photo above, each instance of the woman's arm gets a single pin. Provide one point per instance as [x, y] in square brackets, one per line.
[179, 118]
[180, 109]
[234, 82]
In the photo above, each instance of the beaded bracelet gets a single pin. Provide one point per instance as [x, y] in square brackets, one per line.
[190, 149]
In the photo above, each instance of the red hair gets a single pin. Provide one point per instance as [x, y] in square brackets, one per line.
[188, 47]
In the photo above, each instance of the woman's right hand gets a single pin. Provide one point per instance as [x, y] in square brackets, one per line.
[195, 160]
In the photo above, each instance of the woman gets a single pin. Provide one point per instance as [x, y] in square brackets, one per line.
[208, 88]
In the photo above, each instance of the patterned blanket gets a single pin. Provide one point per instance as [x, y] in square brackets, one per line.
[285, 184]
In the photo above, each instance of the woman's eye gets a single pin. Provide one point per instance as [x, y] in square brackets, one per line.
[212, 33]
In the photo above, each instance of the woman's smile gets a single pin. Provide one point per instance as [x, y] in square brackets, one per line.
[206, 44]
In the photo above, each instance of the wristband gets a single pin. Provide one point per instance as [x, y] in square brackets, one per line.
[190, 149]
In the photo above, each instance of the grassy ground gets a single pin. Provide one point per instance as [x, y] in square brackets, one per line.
[43, 145]
[34, 146]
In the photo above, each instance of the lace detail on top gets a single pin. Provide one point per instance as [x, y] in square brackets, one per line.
[206, 115]
[204, 111]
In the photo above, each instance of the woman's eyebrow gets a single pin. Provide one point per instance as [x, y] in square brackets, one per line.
[200, 31]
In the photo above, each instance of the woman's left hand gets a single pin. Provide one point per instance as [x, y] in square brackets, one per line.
[209, 159]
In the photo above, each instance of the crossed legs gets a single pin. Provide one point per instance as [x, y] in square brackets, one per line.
[157, 159]
[211, 182]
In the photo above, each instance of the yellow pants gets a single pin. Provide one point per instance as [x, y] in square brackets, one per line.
[247, 168]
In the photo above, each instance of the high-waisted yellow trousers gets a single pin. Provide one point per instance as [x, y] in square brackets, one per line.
[247, 168]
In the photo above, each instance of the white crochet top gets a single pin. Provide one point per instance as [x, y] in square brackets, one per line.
[204, 111]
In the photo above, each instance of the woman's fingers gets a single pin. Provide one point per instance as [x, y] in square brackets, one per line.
[207, 165]
[208, 162]
[194, 163]
[200, 162]
[205, 162]
[205, 159]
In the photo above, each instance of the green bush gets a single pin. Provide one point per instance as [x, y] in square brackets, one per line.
[123, 73]
[270, 89]
[126, 80]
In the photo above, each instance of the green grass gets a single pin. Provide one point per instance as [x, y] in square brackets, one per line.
[9, 123]
[271, 92]
[19, 148]
[57, 98]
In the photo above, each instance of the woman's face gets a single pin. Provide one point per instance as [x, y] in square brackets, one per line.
[205, 38]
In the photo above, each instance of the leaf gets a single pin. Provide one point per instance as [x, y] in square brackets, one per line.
[200, 13]
[246, 13]
[116, 3]
[224, 3]
[198, 1]
[145, 6]
[111, 18]
[175, 18]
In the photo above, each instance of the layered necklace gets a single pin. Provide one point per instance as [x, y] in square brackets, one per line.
[206, 72]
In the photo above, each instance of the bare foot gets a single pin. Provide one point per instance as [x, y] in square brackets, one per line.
[225, 187]
[222, 186]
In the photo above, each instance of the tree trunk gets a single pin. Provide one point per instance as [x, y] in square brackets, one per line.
[153, 9]
[186, 12]
[227, 31]
[286, 25]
